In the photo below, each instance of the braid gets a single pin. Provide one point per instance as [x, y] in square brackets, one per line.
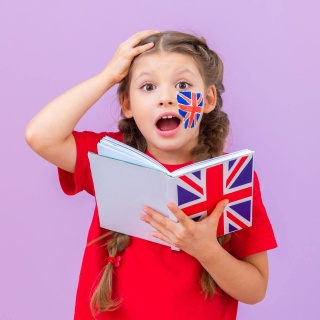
[102, 299]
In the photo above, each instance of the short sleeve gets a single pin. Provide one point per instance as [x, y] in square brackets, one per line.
[86, 141]
[260, 237]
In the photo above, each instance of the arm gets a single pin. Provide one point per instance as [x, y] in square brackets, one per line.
[49, 133]
[245, 280]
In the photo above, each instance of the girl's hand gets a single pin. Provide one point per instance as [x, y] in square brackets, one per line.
[119, 65]
[195, 238]
[49, 133]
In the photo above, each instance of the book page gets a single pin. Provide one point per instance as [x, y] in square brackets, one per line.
[121, 192]
[117, 150]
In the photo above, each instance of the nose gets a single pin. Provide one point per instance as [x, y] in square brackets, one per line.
[165, 102]
[166, 97]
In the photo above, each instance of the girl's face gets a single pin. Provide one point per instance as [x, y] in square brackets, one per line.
[152, 102]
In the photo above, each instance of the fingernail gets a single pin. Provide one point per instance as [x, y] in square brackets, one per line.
[171, 205]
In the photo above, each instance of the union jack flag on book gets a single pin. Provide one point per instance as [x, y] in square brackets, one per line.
[198, 193]
[190, 106]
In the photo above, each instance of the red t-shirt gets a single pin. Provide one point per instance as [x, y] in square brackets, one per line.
[153, 281]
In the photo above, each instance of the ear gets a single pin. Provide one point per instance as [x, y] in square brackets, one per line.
[210, 99]
[125, 106]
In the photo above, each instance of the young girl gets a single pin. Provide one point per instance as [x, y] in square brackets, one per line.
[125, 277]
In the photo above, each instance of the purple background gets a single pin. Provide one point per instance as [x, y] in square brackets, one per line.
[271, 53]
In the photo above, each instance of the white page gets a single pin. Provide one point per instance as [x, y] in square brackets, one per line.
[118, 150]
[113, 192]
[120, 154]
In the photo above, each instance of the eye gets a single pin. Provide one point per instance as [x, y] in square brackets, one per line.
[182, 85]
[148, 87]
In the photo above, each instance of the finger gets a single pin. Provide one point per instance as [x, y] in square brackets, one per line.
[143, 34]
[162, 237]
[159, 229]
[162, 233]
[139, 36]
[131, 48]
[218, 210]
[140, 49]
[162, 224]
[179, 214]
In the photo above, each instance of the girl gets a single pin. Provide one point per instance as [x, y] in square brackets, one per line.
[123, 278]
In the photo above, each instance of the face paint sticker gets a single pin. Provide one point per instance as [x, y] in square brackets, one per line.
[190, 107]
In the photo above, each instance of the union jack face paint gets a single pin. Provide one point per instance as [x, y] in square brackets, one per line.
[190, 107]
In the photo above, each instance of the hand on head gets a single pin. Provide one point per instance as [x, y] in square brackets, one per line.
[119, 65]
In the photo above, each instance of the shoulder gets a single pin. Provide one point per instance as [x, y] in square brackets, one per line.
[89, 139]
[97, 136]
[81, 179]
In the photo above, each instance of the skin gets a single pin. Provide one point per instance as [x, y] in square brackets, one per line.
[49, 134]
[156, 79]
[245, 280]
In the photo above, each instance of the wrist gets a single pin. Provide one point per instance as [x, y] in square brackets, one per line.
[109, 77]
[210, 253]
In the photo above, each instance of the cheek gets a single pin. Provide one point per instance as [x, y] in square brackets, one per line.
[143, 104]
[143, 116]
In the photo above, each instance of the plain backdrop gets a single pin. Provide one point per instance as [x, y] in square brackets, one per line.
[271, 54]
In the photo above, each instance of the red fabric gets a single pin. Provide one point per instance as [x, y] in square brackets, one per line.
[152, 280]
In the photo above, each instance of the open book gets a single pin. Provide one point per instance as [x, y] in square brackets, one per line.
[126, 179]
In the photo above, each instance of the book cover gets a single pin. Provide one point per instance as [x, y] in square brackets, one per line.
[126, 179]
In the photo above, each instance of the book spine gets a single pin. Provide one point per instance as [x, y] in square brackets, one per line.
[172, 196]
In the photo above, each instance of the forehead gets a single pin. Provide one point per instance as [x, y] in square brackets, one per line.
[152, 63]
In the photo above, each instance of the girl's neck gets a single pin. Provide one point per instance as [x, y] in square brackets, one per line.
[169, 157]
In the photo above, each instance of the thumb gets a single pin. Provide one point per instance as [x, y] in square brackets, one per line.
[218, 210]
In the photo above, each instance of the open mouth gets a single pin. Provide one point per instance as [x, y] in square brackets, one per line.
[167, 123]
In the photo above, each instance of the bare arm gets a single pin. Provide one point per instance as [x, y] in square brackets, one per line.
[245, 280]
[49, 133]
